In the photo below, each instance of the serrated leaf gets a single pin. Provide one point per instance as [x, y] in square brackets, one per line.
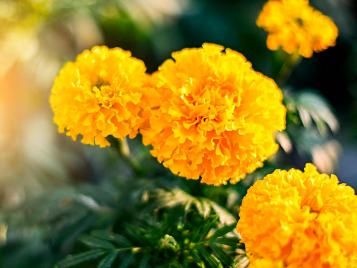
[73, 260]
[93, 242]
[108, 260]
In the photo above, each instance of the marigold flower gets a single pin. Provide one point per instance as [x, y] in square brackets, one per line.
[296, 27]
[212, 115]
[265, 263]
[300, 219]
[99, 95]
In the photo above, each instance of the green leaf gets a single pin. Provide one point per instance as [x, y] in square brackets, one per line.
[198, 260]
[312, 107]
[93, 242]
[222, 231]
[126, 262]
[229, 241]
[202, 231]
[212, 260]
[204, 207]
[144, 263]
[116, 238]
[73, 260]
[221, 254]
[108, 260]
[224, 216]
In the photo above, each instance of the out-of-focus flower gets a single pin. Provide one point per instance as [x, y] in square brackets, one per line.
[296, 27]
[212, 115]
[99, 95]
[300, 219]
[33, 45]
[23, 14]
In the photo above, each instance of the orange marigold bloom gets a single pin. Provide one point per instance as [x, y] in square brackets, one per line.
[296, 27]
[212, 115]
[298, 219]
[99, 95]
[265, 263]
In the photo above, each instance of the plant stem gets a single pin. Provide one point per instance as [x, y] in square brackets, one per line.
[123, 149]
[287, 68]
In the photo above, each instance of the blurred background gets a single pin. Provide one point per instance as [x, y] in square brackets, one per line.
[38, 36]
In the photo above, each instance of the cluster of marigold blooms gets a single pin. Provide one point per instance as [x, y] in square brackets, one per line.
[207, 114]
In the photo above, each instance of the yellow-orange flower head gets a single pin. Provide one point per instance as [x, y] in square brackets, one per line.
[296, 219]
[214, 117]
[99, 95]
[296, 27]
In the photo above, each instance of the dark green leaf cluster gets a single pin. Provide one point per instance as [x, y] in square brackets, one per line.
[187, 232]
[46, 228]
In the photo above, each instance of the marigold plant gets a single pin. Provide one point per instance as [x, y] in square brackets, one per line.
[300, 219]
[213, 116]
[99, 95]
[296, 27]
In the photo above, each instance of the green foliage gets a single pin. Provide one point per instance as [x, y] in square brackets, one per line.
[43, 230]
[311, 111]
[186, 232]
[167, 227]
[129, 221]
[311, 125]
